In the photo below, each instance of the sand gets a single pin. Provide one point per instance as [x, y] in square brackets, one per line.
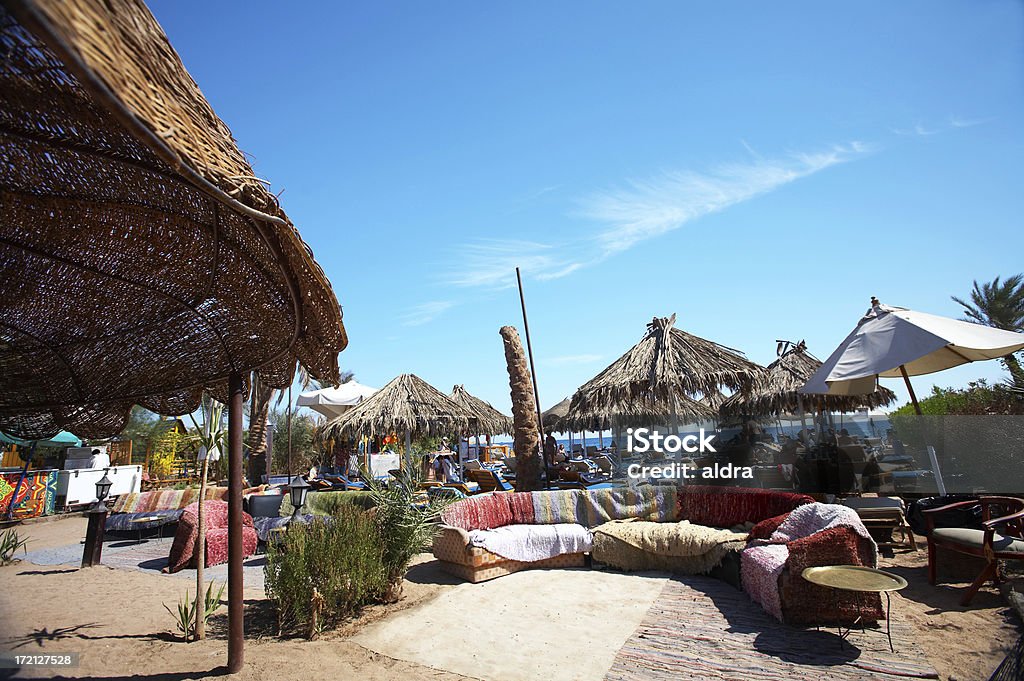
[554, 625]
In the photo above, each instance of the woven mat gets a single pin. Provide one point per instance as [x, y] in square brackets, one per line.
[702, 628]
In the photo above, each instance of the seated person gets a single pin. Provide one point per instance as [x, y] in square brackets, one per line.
[560, 456]
[844, 437]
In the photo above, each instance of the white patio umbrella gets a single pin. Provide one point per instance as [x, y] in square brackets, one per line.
[890, 342]
[333, 402]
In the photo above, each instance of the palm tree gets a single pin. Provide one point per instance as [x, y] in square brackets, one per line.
[999, 304]
[524, 413]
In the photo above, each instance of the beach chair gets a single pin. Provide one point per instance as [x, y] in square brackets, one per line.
[605, 464]
[489, 481]
[882, 516]
[343, 482]
[1008, 544]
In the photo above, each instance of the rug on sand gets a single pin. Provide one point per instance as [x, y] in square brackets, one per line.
[702, 628]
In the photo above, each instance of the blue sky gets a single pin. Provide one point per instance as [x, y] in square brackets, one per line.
[759, 169]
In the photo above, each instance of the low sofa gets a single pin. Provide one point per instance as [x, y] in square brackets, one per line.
[487, 536]
[215, 518]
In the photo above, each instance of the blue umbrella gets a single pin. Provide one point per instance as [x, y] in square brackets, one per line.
[61, 439]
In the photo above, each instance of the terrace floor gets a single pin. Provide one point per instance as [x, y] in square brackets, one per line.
[552, 625]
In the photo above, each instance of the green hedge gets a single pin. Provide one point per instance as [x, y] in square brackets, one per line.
[328, 503]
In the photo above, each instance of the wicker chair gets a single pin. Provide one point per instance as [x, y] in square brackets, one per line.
[987, 543]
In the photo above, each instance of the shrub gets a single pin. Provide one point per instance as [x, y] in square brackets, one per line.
[406, 521]
[326, 570]
[10, 542]
[185, 616]
[328, 503]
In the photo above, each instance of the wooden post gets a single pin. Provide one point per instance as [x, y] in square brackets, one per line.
[236, 612]
[910, 389]
[94, 537]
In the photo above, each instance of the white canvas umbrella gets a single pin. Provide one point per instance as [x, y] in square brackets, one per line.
[333, 402]
[890, 342]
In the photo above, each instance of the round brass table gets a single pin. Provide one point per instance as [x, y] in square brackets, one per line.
[859, 579]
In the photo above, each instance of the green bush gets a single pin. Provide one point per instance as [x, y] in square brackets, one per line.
[406, 521]
[10, 542]
[328, 503]
[326, 570]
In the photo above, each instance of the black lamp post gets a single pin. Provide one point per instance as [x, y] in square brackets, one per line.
[102, 490]
[97, 523]
[298, 490]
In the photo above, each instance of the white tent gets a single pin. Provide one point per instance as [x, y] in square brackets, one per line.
[890, 342]
[333, 402]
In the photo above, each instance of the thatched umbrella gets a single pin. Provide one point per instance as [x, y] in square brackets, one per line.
[638, 413]
[776, 391]
[407, 404]
[667, 367]
[551, 419]
[141, 260]
[486, 419]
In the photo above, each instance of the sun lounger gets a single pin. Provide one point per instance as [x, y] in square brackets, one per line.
[883, 515]
[489, 481]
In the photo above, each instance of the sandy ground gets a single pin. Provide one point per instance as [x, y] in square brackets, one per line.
[564, 623]
[538, 626]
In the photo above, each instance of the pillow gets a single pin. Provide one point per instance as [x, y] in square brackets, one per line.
[766, 528]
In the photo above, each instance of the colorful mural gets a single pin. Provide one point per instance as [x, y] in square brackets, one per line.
[36, 496]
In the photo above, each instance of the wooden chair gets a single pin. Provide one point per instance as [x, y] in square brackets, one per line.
[987, 543]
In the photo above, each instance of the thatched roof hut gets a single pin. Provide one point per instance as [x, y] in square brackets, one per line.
[406, 404]
[667, 365]
[775, 392]
[486, 419]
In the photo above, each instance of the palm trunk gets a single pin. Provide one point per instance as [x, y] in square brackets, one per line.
[200, 553]
[524, 413]
[259, 410]
[1016, 372]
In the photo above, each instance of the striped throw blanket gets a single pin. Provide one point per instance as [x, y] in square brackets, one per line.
[529, 543]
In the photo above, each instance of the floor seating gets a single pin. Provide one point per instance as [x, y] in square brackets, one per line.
[491, 535]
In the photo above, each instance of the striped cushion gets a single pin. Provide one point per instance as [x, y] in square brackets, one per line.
[728, 506]
[479, 512]
[656, 503]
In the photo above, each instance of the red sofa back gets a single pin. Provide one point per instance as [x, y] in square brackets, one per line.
[728, 506]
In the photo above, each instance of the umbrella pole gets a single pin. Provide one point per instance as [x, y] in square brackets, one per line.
[408, 447]
[910, 389]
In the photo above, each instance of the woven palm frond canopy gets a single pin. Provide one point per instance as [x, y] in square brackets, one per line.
[635, 413]
[406, 404]
[776, 391]
[141, 261]
[552, 417]
[486, 419]
[667, 366]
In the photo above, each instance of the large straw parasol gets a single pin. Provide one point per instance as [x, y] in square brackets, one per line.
[141, 260]
[665, 369]
[407, 404]
[486, 419]
[777, 390]
[552, 417]
[635, 414]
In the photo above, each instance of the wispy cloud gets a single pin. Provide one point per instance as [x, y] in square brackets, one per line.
[571, 359]
[425, 312]
[492, 263]
[643, 209]
[918, 131]
[650, 207]
[959, 122]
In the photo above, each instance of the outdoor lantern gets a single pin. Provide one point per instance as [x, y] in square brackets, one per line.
[102, 490]
[298, 490]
